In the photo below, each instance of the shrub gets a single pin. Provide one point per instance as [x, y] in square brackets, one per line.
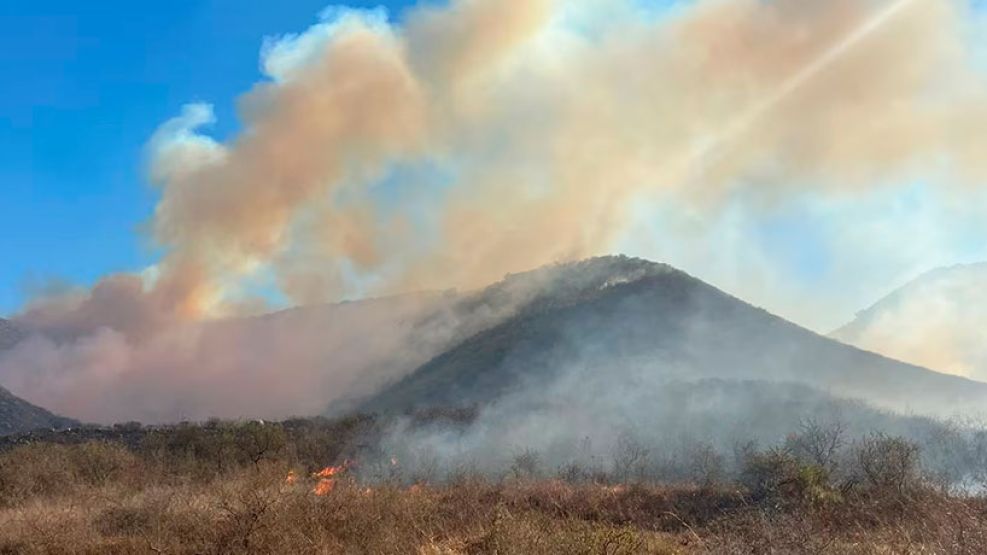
[526, 465]
[46, 470]
[630, 459]
[706, 465]
[777, 476]
[888, 464]
[818, 444]
[101, 463]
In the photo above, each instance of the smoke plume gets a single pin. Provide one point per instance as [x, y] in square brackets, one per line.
[483, 137]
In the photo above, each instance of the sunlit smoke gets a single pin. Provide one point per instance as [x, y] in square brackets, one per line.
[736, 128]
[491, 136]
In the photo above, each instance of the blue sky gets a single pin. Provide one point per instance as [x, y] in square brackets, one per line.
[85, 85]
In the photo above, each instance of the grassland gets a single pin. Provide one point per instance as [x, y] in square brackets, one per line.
[251, 488]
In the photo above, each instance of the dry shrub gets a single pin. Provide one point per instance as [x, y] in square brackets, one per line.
[818, 444]
[255, 511]
[533, 532]
[888, 465]
[222, 488]
[46, 470]
[526, 465]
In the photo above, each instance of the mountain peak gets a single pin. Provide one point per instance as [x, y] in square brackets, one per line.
[565, 282]
[641, 322]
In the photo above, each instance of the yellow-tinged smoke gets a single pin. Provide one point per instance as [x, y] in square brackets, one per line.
[551, 132]
[496, 135]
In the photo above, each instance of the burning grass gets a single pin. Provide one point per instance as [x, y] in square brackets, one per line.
[256, 511]
[266, 495]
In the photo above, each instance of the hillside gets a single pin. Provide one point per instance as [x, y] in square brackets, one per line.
[612, 321]
[9, 334]
[938, 320]
[17, 415]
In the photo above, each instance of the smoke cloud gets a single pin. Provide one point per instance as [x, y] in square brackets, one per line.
[483, 137]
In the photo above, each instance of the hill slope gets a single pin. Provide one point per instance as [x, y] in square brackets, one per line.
[10, 335]
[938, 320]
[619, 320]
[17, 415]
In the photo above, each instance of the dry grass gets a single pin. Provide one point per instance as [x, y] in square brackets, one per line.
[255, 511]
[176, 496]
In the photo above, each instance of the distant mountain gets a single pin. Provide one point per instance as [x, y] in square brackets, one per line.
[617, 320]
[17, 415]
[938, 320]
[10, 334]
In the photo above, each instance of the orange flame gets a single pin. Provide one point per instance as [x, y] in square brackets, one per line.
[328, 472]
[291, 478]
[327, 478]
[324, 487]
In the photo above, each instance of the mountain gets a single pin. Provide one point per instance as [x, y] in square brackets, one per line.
[17, 415]
[938, 320]
[10, 335]
[617, 320]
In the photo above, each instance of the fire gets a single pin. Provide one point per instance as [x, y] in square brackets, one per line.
[324, 487]
[327, 478]
[328, 472]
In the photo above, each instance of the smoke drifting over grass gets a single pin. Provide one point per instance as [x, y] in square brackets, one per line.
[479, 138]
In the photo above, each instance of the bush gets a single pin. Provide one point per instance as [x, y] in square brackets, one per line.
[888, 464]
[630, 459]
[526, 465]
[46, 470]
[777, 476]
[818, 444]
[706, 465]
[205, 452]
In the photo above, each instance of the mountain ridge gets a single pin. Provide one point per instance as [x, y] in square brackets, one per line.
[19, 416]
[937, 320]
[16, 414]
[541, 340]
[910, 287]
